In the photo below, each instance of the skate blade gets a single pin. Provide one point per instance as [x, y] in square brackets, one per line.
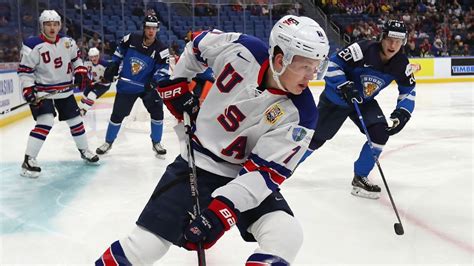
[359, 192]
[160, 156]
[91, 163]
[29, 174]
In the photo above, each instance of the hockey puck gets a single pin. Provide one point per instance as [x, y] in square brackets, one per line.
[398, 229]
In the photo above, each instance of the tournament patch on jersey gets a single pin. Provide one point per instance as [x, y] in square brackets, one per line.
[67, 44]
[273, 114]
[298, 134]
[137, 65]
[371, 84]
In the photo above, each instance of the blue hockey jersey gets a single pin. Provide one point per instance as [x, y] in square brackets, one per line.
[360, 62]
[140, 64]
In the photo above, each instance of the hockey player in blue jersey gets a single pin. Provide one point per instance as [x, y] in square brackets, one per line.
[359, 72]
[251, 131]
[144, 61]
[95, 70]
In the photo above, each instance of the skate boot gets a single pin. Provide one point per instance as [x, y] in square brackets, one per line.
[88, 156]
[362, 187]
[104, 148]
[160, 151]
[30, 167]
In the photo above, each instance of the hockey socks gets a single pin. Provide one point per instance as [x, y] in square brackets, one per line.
[260, 259]
[78, 132]
[156, 130]
[365, 163]
[112, 132]
[114, 255]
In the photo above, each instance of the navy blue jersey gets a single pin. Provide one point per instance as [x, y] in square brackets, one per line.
[140, 64]
[360, 62]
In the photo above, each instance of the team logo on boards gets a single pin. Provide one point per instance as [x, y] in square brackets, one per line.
[137, 65]
[371, 85]
[298, 133]
[273, 114]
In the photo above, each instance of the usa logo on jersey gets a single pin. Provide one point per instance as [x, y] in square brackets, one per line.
[137, 65]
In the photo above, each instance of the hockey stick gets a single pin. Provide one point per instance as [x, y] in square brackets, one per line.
[397, 226]
[39, 99]
[193, 182]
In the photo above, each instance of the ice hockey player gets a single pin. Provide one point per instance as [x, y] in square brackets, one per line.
[48, 63]
[250, 133]
[95, 71]
[144, 61]
[358, 73]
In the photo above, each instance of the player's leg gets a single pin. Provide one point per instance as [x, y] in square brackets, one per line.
[154, 106]
[123, 104]
[69, 112]
[44, 116]
[376, 124]
[90, 95]
[140, 247]
[278, 233]
[331, 117]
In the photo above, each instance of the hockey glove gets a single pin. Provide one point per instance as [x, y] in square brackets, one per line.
[110, 72]
[177, 97]
[349, 92]
[29, 94]
[151, 85]
[399, 118]
[81, 79]
[219, 217]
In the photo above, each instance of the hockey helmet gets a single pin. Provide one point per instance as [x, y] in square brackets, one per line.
[151, 21]
[93, 52]
[394, 29]
[49, 15]
[299, 36]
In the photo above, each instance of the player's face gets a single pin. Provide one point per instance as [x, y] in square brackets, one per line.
[150, 33]
[298, 74]
[94, 59]
[391, 46]
[51, 29]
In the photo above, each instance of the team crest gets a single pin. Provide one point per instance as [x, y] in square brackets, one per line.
[298, 134]
[371, 85]
[273, 114]
[137, 65]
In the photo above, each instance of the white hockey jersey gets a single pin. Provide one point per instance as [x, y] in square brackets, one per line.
[253, 134]
[95, 72]
[49, 66]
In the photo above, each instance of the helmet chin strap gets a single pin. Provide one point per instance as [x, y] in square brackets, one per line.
[276, 75]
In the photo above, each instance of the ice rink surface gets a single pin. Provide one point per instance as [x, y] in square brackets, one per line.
[72, 212]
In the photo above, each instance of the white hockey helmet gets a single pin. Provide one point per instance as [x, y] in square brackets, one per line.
[299, 36]
[49, 15]
[93, 52]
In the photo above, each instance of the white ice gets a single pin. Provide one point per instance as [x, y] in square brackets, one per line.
[72, 212]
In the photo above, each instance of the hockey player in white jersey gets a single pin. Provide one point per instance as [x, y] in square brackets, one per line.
[95, 71]
[48, 64]
[250, 133]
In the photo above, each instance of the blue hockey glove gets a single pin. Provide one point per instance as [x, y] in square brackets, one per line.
[399, 118]
[219, 217]
[177, 97]
[80, 78]
[349, 92]
[29, 94]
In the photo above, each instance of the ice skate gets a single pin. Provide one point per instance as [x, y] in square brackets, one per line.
[89, 157]
[104, 148]
[362, 187]
[30, 167]
[159, 149]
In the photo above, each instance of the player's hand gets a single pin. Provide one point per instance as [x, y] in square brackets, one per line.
[80, 78]
[177, 97]
[349, 92]
[110, 72]
[29, 94]
[207, 228]
[399, 118]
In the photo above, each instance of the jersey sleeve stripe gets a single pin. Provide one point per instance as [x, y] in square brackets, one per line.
[196, 51]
